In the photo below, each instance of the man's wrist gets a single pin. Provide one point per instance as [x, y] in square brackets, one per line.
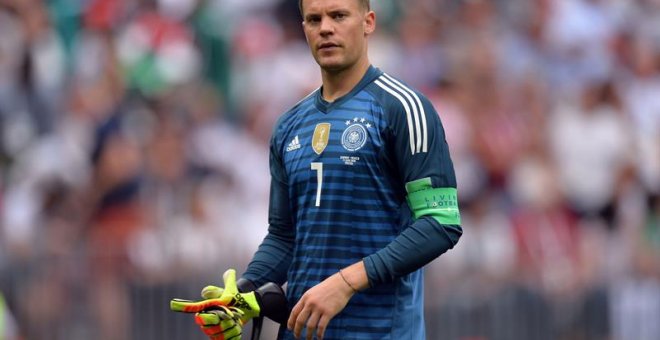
[356, 276]
[355, 291]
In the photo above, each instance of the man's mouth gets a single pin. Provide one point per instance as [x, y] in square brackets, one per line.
[327, 46]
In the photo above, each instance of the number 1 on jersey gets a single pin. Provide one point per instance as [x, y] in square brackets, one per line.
[318, 166]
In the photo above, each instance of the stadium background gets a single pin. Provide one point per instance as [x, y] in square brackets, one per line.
[133, 158]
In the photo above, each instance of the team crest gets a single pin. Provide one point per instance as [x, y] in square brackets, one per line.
[321, 137]
[354, 137]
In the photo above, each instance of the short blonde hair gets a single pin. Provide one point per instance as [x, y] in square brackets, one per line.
[364, 3]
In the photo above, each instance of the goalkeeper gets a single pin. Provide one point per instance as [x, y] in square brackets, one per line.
[363, 195]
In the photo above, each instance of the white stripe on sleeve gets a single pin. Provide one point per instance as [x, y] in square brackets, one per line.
[408, 117]
[421, 108]
[418, 144]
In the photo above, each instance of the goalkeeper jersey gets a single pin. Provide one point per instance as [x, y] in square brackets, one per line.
[338, 195]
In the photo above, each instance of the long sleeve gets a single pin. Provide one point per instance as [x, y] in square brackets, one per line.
[419, 151]
[273, 257]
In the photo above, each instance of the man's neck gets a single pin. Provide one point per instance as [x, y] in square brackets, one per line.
[337, 84]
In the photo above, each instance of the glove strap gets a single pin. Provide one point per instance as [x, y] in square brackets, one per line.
[257, 324]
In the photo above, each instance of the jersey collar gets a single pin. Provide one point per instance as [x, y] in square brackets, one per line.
[325, 106]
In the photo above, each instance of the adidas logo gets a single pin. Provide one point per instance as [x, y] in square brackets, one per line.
[294, 145]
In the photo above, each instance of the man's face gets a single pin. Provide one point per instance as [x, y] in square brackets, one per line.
[336, 31]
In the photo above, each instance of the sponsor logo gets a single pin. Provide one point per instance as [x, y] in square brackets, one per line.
[293, 145]
[320, 138]
[442, 201]
[239, 302]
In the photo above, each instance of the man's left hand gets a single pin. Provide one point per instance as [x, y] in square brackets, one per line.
[318, 306]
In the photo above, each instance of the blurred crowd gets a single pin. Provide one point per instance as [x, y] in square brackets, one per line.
[134, 158]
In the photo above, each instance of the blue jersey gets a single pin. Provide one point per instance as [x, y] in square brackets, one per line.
[338, 195]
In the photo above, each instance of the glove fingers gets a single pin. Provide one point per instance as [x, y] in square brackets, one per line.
[187, 306]
[230, 335]
[219, 332]
[225, 326]
[237, 313]
[234, 331]
[228, 313]
[212, 292]
[207, 319]
[218, 325]
[215, 317]
[230, 290]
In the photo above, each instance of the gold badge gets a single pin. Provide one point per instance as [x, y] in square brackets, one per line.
[321, 136]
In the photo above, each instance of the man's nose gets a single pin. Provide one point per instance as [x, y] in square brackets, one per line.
[327, 26]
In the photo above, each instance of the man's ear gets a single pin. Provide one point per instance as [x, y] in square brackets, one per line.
[304, 31]
[369, 22]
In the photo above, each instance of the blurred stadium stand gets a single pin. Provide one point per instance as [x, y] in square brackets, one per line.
[134, 166]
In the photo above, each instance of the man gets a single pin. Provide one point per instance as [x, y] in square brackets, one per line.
[363, 193]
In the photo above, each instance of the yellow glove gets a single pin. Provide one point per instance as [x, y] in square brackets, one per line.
[222, 324]
[215, 298]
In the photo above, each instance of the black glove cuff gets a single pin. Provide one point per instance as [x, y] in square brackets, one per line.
[245, 285]
[273, 303]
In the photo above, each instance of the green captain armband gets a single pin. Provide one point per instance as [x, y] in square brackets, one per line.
[439, 203]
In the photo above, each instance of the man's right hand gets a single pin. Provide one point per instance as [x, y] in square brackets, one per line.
[222, 324]
[217, 297]
[223, 311]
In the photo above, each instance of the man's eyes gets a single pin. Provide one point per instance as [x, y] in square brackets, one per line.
[335, 16]
[313, 19]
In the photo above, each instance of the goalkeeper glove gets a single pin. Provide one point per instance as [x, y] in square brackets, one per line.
[222, 324]
[212, 313]
[270, 299]
[215, 298]
[223, 312]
